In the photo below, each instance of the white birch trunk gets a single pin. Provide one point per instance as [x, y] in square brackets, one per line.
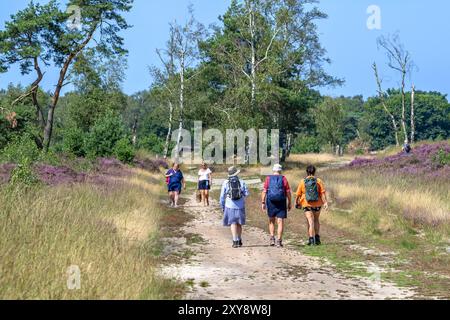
[405, 131]
[169, 132]
[413, 122]
[180, 127]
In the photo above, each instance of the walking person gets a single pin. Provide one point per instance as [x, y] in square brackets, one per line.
[232, 199]
[406, 147]
[277, 202]
[204, 183]
[175, 184]
[311, 196]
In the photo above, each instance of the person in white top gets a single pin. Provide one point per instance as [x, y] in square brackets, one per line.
[204, 182]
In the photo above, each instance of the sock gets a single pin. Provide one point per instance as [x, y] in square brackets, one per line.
[235, 239]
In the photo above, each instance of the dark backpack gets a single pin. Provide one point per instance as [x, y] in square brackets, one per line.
[311, 190]
[407, 148]
[234, 189]
[276, 193]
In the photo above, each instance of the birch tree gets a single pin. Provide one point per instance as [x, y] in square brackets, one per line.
[413, 115]
[179, 56]
[382, 95]
[399, 60]
[164, 77]
[264, 49]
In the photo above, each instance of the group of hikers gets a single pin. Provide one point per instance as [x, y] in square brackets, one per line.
[276, 200]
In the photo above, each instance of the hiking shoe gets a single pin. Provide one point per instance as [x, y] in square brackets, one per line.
[240, 244]
[280, 244]
[311, 242]
[318, 243]
[272, 242]
[235, 244]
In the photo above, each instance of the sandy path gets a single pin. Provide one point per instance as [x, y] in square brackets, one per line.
[259, 272]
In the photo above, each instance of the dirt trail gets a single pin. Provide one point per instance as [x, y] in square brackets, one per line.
[260, 272]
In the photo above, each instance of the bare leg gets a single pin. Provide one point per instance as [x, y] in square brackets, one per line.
[317, 223]
[171, 198]
[234, 231]
[280, 229]
[239, 231]
[272, 227]
[202, 192]
[176, 197]
[207, 197]
[311, 227]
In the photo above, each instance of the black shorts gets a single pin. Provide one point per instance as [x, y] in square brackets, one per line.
[314, 210]
[204, 185]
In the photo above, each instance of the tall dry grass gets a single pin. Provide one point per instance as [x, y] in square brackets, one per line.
[317, 159]
[420, 199]
[107, 231]
[373, 202]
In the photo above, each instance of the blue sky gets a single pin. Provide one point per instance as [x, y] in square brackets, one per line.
[423, 26]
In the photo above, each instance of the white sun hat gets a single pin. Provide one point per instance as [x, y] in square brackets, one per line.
[277, 168]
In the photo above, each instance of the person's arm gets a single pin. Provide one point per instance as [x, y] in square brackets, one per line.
[168, 174]
[264, 196]
[222, 197]
[325, 201]
[289, 197]
[245, 190]
[263, 200]
[323, 195]
[287, 189]
[298, 195]
[210, 179]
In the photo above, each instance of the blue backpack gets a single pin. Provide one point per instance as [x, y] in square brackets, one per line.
[276, 190]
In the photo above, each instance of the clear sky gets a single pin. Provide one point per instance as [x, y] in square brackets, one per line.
[424, 28]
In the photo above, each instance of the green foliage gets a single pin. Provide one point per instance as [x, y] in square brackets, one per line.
[124, 150]
[442, 158]
[23, 174]
[22, 149]
[104, 135]
[432, 118]
[306, 144]
[73, 141]
[152, 143]
[330, 122]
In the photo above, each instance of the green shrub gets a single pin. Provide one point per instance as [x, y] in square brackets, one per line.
[20, 150]
[152, 143]
[124, 151]
[51, 157]
[23, 174]
[306, 144]
[104, 135]
[442, 158]
[73, 141]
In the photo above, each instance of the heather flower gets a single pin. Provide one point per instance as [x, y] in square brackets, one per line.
[5, 172]
[419, 162]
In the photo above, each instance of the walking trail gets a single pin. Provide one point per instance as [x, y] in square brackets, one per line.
[256, 271]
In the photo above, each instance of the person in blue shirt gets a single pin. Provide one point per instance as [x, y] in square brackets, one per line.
[232, 200]
[175, 183]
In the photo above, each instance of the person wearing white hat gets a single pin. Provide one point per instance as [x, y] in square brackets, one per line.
[232, 200]
[276, 201]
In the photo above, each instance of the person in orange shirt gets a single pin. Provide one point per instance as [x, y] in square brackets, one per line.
[312, 197]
